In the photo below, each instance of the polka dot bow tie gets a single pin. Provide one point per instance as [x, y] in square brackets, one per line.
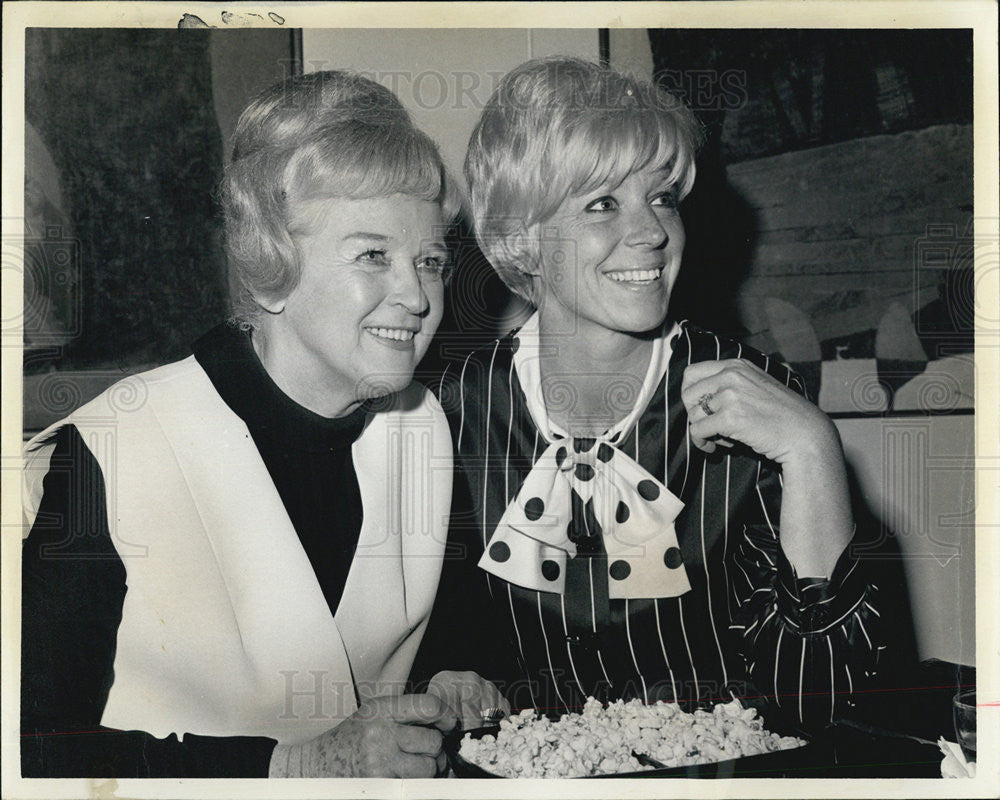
[578, 490]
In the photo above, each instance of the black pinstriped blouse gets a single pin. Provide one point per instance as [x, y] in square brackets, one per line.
[748, 626]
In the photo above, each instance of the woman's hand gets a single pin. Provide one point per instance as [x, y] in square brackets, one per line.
[393, 736]
[751, 407]
[468, 695]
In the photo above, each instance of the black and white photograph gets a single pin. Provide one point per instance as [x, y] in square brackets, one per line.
[425, 398]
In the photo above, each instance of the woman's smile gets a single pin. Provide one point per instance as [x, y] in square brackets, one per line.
[636, 278]
[397, 338]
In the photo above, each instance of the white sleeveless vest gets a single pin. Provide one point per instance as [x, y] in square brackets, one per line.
[225, 630]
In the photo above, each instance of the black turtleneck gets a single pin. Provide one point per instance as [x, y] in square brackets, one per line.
[307, 456]
[74, 580]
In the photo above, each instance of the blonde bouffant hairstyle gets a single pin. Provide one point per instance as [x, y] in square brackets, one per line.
[322, 135]
[561, 126]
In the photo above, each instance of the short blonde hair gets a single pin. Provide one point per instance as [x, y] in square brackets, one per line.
[560, 126]
[325, 134]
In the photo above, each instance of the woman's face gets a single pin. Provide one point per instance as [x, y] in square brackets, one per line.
[369, 300]
[610, 257]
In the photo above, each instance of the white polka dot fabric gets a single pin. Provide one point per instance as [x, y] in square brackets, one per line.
[631, 510]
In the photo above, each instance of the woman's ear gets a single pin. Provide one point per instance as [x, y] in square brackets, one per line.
[530, 246]
[271, 305]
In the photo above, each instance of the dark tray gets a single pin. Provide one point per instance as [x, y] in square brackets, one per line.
[782, 763]
[839, 750]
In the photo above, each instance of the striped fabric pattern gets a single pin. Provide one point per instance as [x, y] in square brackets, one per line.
[748, 626]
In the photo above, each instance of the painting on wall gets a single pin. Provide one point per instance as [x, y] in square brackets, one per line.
[125, 139]
[832, 221]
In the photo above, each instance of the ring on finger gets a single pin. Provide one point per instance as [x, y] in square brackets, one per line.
[703, 402]
[492, 715]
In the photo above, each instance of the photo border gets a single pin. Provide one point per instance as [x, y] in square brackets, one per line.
[980, 15]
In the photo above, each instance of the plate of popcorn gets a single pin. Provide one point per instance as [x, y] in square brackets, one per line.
[628, 739]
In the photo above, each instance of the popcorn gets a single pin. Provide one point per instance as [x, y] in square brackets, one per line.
[601, 740]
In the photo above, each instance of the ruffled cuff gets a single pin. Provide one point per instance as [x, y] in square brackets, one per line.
[815, 605]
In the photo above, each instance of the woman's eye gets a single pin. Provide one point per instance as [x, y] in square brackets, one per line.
[603, 204]
[373, 256]
[433, 266]
[668, 199]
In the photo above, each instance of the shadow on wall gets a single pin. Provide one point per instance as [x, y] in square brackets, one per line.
[478, 305]
[721, 229]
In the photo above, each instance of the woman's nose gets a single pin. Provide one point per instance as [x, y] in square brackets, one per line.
[646, 229]
[408, 291]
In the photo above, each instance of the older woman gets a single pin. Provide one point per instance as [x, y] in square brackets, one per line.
[216, 581]
[655, 511]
